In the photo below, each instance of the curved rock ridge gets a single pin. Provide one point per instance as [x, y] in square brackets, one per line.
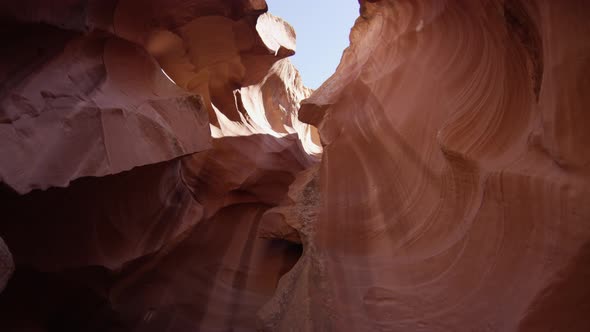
[454, 179]
[224, 270]
[271, 107]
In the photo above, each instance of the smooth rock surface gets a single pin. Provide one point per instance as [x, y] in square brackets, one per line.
[451, 196]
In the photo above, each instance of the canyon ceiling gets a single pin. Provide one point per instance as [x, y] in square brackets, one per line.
[164, 168]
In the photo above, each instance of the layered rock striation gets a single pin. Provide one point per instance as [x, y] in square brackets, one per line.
[451, 195]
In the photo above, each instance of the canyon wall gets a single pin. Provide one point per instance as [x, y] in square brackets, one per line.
[159, 132]
[164, 168]
[453, 185]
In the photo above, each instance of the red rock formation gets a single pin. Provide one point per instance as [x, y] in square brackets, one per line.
[121, 89]
[222, 272]
[76, 105]
[452, 192]
[106, 101]
[451, 195]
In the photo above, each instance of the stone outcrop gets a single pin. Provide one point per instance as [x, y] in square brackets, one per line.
[165, 169]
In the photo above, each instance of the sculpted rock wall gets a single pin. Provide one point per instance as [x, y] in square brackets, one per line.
[107, 87]
[76, 105]
[454, 180]
[173, 127]
[224, 271]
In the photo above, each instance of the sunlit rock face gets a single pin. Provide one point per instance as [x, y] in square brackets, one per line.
[454, 181]
[160, 133]
[92, 88]
[186, 187]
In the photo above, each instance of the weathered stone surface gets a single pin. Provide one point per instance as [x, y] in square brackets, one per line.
[133, 91]
[77, 105]
[129, 97]
[105, 221]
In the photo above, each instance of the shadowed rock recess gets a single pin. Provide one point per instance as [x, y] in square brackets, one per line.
[164, 169]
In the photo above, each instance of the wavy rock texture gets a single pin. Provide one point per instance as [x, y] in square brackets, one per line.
[159, 237]
[451, 194]
[77, 104]
[454, 180]
[223, 271]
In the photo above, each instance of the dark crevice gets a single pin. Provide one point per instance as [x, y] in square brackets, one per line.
[522, 25]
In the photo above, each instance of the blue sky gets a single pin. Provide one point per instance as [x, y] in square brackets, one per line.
[322, 28]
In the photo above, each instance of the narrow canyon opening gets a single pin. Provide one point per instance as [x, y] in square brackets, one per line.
[322, 30]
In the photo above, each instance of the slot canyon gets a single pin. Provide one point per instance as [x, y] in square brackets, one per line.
[163, 168]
